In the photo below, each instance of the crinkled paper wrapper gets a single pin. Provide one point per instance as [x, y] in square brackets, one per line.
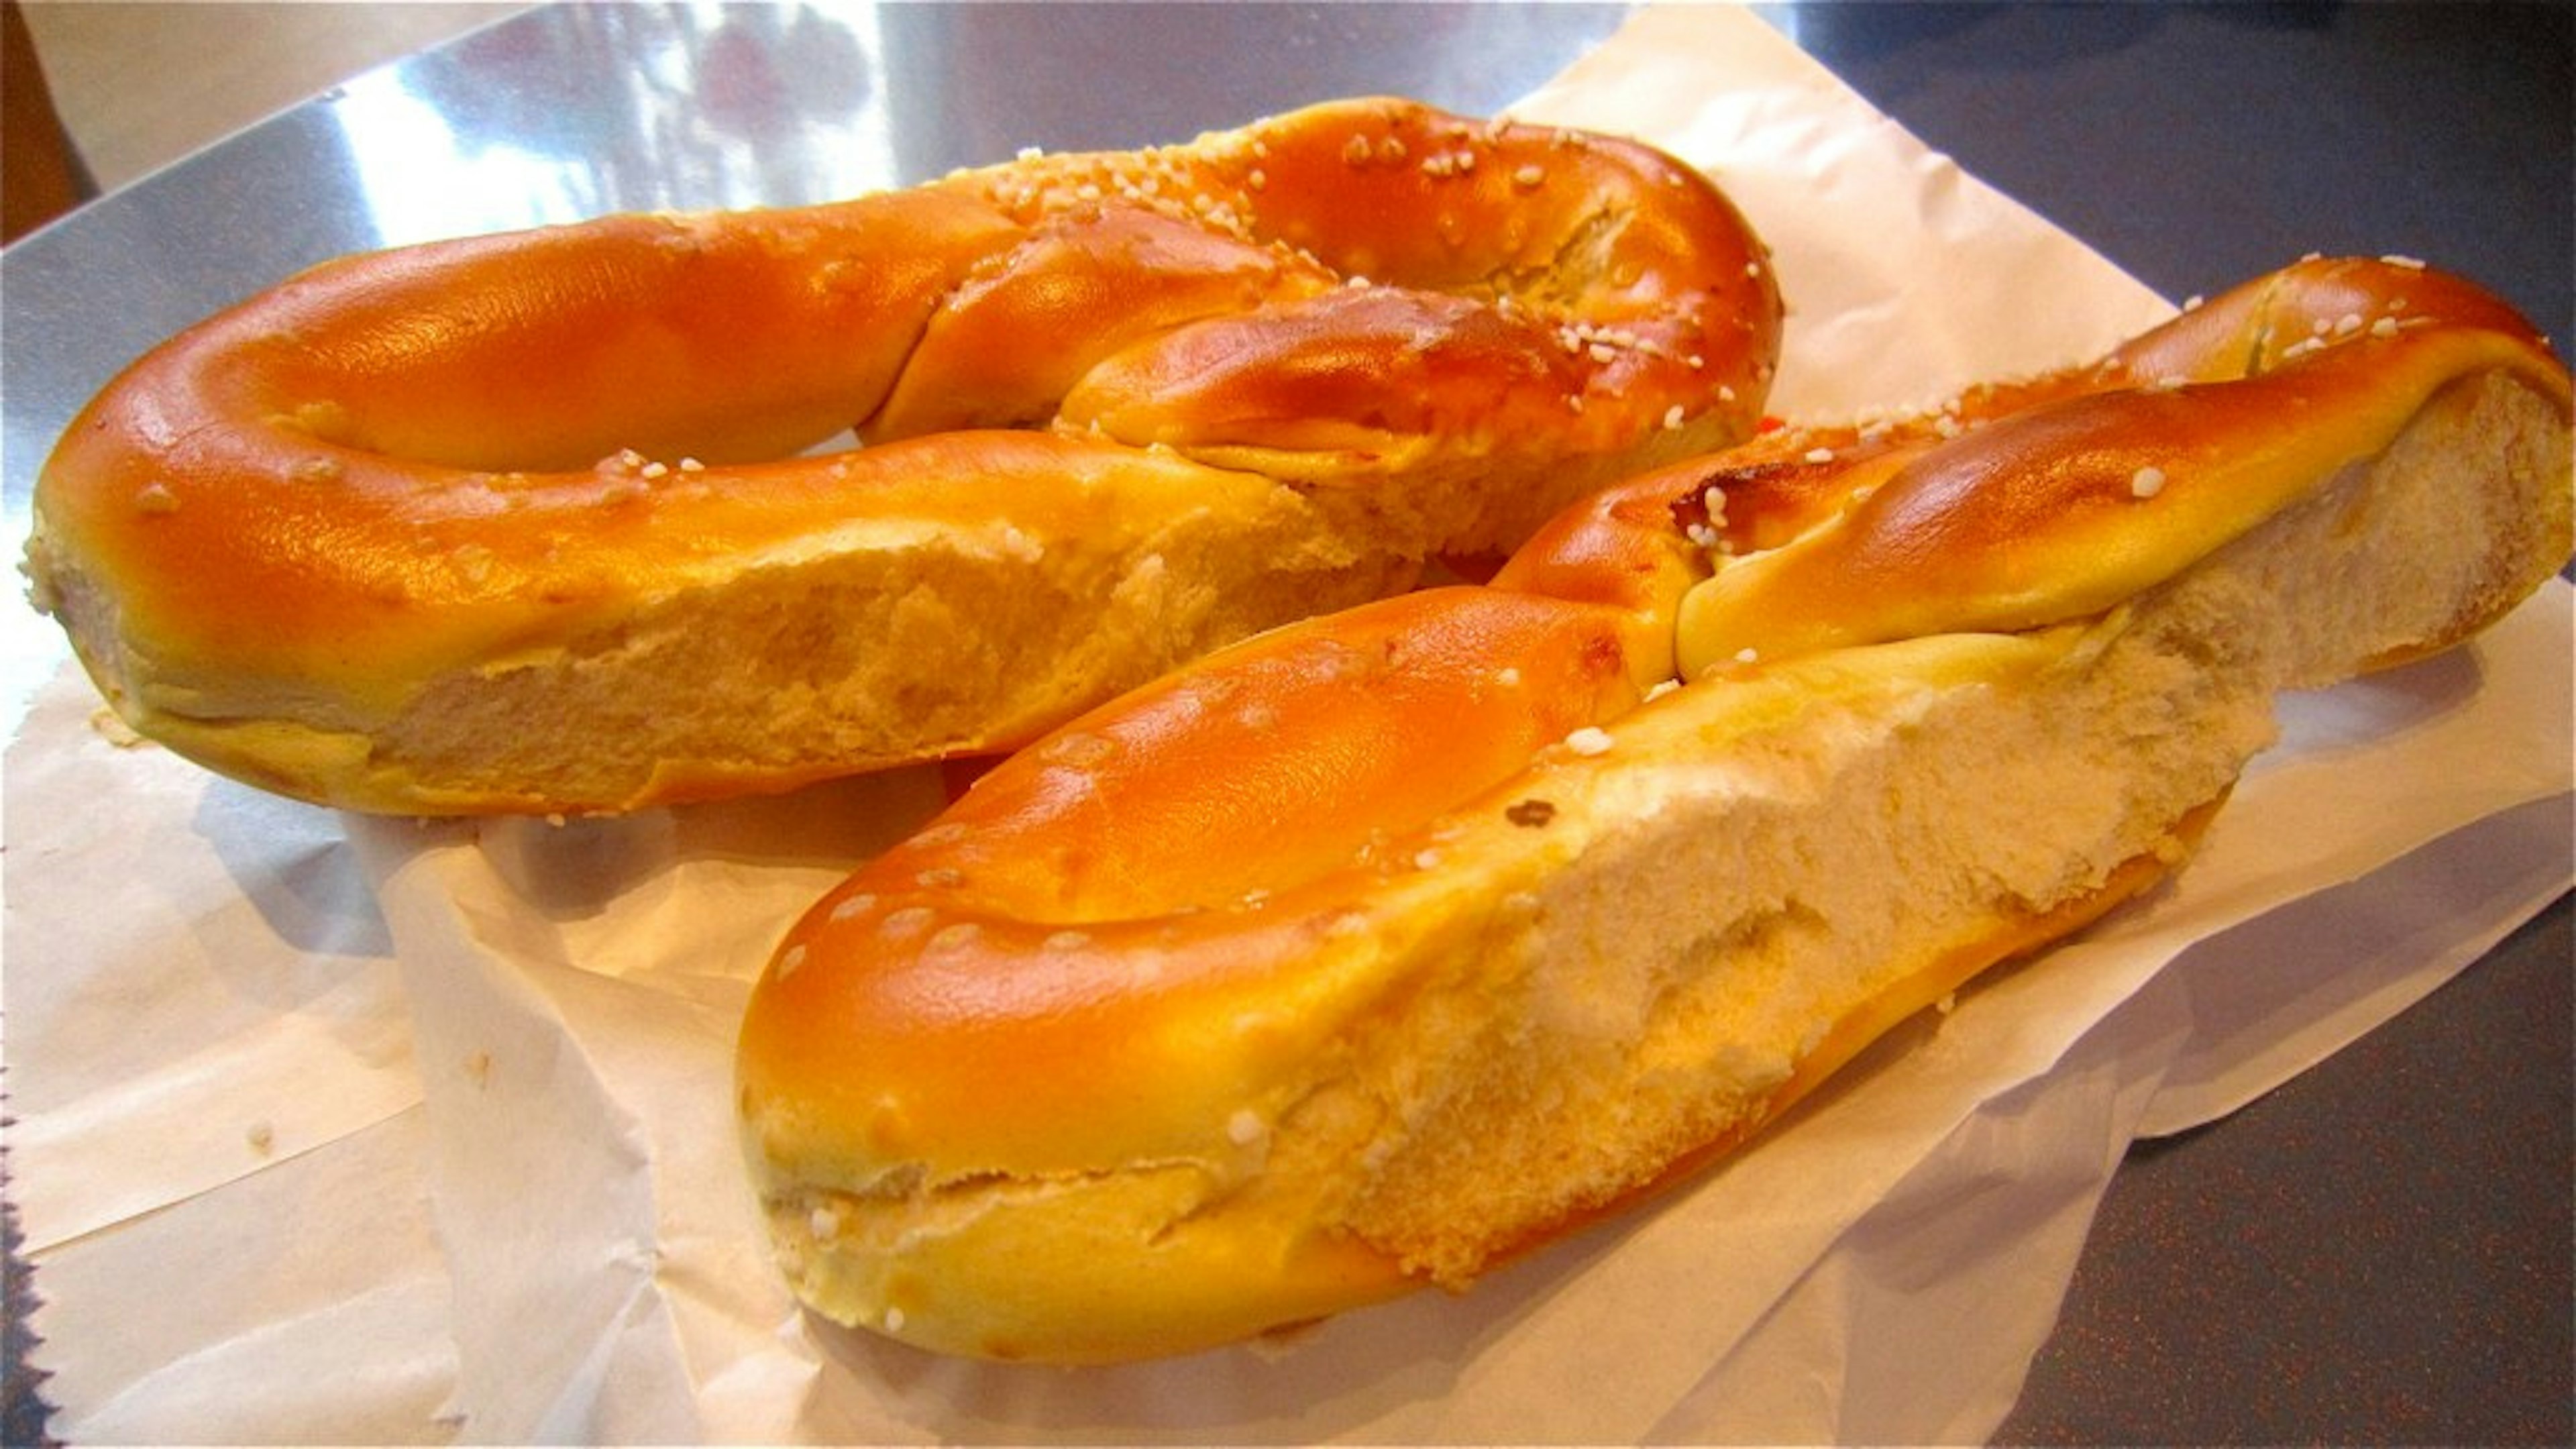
[361, 1130]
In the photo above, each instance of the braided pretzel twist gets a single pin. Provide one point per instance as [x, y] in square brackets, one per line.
[516, 522]
[1390, 943]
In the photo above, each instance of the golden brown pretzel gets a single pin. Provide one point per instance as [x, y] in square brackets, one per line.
[519, 522]
[1386, 944]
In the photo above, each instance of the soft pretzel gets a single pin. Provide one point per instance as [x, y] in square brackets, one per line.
[1386, 945]
[530, 523]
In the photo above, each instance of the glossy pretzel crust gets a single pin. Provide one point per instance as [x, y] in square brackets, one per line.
[533, 523]
[1391, 943]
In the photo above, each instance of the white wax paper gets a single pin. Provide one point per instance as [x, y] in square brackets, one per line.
[372, 1131]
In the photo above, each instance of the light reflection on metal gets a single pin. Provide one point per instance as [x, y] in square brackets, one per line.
[622, 108]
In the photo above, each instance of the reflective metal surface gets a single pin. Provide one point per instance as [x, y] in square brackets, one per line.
[572, 111]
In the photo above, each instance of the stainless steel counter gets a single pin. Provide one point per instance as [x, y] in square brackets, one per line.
[2381, 1250]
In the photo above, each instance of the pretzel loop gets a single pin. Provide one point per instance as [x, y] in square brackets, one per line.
[1381, 947]
[349, 537]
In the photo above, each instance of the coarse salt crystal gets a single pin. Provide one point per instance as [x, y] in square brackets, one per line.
[2147, 482]
[1589, 740]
